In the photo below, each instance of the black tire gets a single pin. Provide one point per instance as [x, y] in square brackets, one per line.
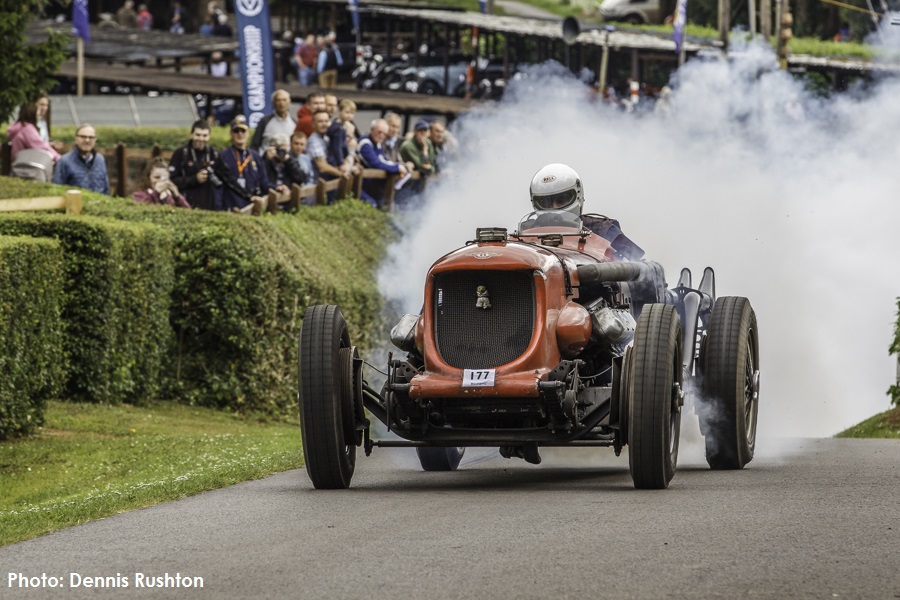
[655, 397]
[429, 88]
[440, 459]
[729, 370]
[329, 452]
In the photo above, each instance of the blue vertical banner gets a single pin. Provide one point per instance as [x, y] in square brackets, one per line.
[353, 7]
[257, 60]
[80, 26]
[678, 25]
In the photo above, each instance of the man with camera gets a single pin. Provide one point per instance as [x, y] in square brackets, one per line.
[191, 169]
[281, 170]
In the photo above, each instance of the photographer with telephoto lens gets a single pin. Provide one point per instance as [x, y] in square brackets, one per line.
[191, 169]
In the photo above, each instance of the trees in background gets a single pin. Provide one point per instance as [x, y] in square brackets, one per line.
[26, 70]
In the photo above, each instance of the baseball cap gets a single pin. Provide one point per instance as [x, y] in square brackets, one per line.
[239, 122]
[422, 124]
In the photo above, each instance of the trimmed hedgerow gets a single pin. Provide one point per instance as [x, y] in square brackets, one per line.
[240, 288]
[242, 284]
[118, 282]
[32, 362]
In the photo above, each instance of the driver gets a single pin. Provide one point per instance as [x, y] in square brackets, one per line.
[558, 187]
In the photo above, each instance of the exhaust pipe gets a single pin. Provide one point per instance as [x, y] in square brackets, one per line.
[611, 271]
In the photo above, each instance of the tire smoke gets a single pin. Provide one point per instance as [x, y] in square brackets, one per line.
[788, 196]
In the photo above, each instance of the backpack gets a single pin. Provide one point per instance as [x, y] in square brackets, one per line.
[33, 164]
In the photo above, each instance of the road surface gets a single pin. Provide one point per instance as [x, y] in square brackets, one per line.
[807, 518]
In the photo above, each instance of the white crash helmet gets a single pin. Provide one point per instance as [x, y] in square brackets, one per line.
[557, 187]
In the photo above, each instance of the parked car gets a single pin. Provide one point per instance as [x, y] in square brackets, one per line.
[637, 12]
[378, 73]
[431, 80]
[546, 336]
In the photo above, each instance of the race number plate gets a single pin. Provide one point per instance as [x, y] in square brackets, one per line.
[478, 377]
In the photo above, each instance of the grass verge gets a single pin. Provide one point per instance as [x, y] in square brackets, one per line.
[883, 425]
[92, 461]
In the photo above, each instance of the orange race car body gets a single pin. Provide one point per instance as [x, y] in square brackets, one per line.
[543, 337]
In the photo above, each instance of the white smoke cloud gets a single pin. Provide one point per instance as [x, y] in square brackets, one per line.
[790, 198]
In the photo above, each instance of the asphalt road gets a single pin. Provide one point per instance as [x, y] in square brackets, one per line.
[807, 518]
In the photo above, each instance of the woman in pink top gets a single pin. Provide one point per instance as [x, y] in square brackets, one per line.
[24, 133]
[159, 189]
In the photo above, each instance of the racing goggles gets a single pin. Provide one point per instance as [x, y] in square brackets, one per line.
[551, 201]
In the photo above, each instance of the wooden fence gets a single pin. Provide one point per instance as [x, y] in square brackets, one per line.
[70, 202]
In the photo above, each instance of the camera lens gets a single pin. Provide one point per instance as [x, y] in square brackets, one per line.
[213, 178]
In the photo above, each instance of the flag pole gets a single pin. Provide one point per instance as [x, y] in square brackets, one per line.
[79, 44]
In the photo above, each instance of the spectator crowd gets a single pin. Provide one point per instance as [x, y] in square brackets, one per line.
[322, 142]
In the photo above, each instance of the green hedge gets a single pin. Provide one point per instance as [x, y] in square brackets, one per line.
[169, 138]
[242, 284]
[118, 281]
[31, 357]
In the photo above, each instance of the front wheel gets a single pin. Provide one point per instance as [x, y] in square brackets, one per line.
[655, 397]
[326, 398]
[440, 459]
[729, 368]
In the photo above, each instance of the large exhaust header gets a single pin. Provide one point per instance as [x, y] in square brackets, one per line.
[612, 271]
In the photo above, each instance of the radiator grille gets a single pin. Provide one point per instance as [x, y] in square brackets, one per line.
[469, 337]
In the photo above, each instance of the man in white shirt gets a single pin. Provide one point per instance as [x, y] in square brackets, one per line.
[279, 121]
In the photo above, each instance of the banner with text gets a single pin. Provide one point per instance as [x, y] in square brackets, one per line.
[257, 60]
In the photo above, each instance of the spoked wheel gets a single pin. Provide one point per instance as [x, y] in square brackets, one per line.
[440, 459]
[655, 397]
[729, 367]
[327, 381]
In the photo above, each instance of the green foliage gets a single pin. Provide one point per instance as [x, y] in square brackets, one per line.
[25, 70]
[13, 187]
[91, 461]
[168, 138]
[883, 425]
[816, 47]
[241, 286]
[31, 357]
[118, 280]
[894, 390]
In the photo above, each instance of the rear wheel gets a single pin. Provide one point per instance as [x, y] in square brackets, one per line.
[655, 397]
[429, 88]
[326, 400]
[729, 367]
[440, 459]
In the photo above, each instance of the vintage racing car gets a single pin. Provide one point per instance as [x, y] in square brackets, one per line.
[545, 336]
